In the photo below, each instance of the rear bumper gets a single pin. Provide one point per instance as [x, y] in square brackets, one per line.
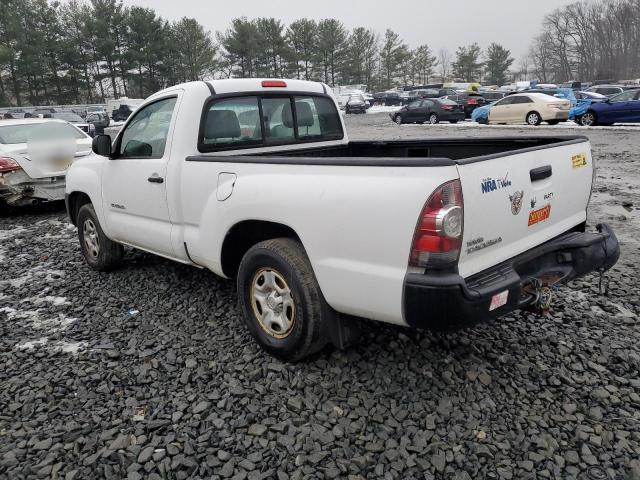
[456, 116]
[17, 188]
[449, 302]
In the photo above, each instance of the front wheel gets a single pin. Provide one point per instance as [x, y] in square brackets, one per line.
[100, 253]
[533, 118]
[281, 301]
[433, 119]
[588, 119]
[398, 119]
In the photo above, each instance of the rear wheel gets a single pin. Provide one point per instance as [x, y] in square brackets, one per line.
[100, 253]
[281, 301]
[433, 119]
[588, 119]
[398, 119]
[533, 118]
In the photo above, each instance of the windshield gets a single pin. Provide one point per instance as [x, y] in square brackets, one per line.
[14, 134]
[68, 116]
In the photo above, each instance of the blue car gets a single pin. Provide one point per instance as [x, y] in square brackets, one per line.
[481, 114]
[621, 108]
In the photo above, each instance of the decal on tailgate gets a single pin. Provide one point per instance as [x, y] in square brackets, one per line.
[579, 160]
[539, 215]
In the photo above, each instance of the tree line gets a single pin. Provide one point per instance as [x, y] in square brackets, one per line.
[83, 51]
[589, 41]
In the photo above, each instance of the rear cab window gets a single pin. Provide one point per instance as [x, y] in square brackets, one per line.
[266, 120]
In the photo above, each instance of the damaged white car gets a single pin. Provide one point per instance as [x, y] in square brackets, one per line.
[34, 157]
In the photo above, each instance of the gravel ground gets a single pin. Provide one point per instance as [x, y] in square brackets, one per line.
[147, 372]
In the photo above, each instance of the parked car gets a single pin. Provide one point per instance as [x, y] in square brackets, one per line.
[469, 101]
[430, 110]
[74, 119]
[389, 99]
[583, 95]
[99, 120]
[492, 96]
[529, 108]
[356, 104]
[320, 232]
[121, 113]
[557, 92]
[481, 114]
[606, 90]
[30, 173]
[621, 108]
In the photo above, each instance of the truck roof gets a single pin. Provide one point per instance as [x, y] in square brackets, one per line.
[237, 85]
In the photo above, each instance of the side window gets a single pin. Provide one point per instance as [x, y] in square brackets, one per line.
[317, 119]
[278, 119]
[146, 134]
[505, 101]
[624, 97]
[522, 100]
[233, 121]
[415, 104]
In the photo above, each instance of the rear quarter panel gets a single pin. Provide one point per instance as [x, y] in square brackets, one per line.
[355, 223]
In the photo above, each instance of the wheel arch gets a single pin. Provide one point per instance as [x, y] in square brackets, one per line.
[75, 201]
[245, 234]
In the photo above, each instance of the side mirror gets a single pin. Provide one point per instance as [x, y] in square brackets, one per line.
[101, 145]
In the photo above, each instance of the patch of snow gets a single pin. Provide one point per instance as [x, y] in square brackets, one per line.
[383, 109]
[31, 344]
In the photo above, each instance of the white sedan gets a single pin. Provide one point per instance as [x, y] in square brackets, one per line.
[34, 157]
[530, 108]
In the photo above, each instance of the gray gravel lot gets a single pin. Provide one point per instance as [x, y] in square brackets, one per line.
[147, 372]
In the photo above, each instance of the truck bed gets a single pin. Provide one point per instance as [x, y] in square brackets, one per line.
[431, 152]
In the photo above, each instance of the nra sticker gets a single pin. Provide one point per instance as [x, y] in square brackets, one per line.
[539, 215]
[579, 161]
[498, 300]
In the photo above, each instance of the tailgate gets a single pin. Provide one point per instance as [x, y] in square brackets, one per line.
[516, 201]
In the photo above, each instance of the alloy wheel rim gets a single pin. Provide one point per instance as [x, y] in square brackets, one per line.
[433, 119]
[398, 119]
[272, 303]
[533, 119]
[587, 119]
[90, 236]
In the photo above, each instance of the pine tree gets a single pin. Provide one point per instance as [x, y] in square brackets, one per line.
[497, 65]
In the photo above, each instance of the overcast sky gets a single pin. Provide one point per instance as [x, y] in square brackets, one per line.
[512, 23]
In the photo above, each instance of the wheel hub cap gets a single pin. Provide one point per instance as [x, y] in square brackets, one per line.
[272, 303]
[90, 236]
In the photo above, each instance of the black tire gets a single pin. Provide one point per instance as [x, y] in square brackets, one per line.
[533, 118]
[108, 254]
[433, 119]
[588, 119]
[398, 119]
[306, 315]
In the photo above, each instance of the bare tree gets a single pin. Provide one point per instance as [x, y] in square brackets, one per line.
[444, 58]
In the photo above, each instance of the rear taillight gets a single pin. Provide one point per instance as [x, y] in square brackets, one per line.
[8, 164]
[447, 107]
[438, 236]
[472, 101]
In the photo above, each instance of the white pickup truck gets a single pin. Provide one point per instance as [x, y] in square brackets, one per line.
[256, 179]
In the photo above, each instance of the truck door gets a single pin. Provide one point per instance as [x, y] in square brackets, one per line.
[134, 183]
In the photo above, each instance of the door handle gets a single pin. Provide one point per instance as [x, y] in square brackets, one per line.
[540, 173]
[155, 179]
